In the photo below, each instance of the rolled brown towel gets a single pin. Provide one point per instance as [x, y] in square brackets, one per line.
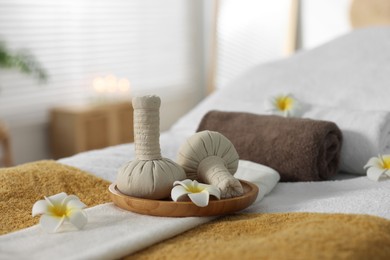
[299, 149]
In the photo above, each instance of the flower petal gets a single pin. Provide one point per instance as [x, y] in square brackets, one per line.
[40, 207]
[386, 157]
[50, 223]
[375, 173]
[373, 162]
[177, 192]
[212, 190]
[78, 218]
[56, 199]
[73, 202]
[185, 183]
[200, 199]
[291, 107]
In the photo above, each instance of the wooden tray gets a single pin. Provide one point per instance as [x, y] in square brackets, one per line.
[168, 208]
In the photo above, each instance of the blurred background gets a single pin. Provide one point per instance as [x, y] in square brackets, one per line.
[65, 65]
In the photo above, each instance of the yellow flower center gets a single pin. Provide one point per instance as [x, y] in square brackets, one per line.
[284, 103]
[58, 211]
[194, 189]
[386, 163]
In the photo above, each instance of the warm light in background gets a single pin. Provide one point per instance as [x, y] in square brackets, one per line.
[111, 83]
[110, 87]
[98, 85]
[124, 85]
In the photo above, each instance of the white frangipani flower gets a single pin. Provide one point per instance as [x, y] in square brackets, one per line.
[198, 193]
[59, 208]
[378, 166]
[283, 105]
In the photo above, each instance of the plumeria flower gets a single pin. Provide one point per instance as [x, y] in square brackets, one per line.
[283, 105]
[198, 193]
[58, 209]
[378, 166]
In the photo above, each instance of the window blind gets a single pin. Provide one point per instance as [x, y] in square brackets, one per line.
[149, 42]
[249, 32]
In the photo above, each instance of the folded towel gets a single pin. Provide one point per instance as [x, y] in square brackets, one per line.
[299, 149]
[365, 134]
[264, 177]
[111, 232]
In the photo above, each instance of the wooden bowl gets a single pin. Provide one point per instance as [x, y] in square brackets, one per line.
[168, 208]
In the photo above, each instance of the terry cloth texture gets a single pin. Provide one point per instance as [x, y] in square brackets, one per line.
[365, 134]
[299, 149]
[22, 186]
[280, 236]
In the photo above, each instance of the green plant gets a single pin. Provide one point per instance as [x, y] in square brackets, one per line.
[23, 61]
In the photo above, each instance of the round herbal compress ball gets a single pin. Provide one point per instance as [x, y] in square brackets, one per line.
[211, 158]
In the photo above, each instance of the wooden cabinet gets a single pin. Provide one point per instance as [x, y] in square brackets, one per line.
[5, 147]
[75, 129]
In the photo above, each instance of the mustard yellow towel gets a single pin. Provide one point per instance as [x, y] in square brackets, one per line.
[22, 186]
[280, 236]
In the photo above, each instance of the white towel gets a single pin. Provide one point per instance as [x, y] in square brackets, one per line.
[365, 134]
[263, 176]
[357, 195]
[111, 232]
